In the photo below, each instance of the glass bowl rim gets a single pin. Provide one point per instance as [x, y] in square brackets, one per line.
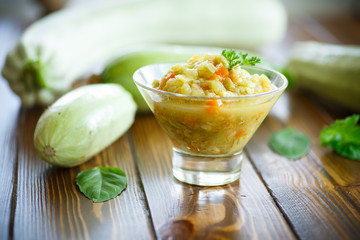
[279, 89]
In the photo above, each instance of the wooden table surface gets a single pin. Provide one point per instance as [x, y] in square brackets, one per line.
[315, 197]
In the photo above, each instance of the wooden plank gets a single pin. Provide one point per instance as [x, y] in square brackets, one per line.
[338, 30]
[8, 159]
[298, 29]
[307, 190]
[316, 30]
[50, 206]
[9, 108]
[343, 171]
[345, 28]
[241, 210]
[354, 194]
[303, 189]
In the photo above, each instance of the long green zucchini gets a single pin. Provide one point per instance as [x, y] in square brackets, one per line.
[332, 71]
[83, 122]
[56, 50]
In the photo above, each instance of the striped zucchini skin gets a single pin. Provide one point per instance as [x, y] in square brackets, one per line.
[82, 123]
[58, 49]
[331, 71]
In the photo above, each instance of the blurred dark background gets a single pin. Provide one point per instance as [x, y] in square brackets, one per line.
[31, 9]
[336, 18]
[334, 14]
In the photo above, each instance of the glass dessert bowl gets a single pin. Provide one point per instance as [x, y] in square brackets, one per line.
[208, 133]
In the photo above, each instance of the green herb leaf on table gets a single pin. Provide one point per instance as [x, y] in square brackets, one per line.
[290, 143]
[101, 183]
[235, 59]
[343, 136]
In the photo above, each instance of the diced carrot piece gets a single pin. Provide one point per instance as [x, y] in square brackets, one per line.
[165, 79]
[222, 71]
[205, 87]
[216, 77]
[239, 133]
[213, 105]
[214, 102]
[233, 79]
[220, 74]
[192, 147]
[211, 110]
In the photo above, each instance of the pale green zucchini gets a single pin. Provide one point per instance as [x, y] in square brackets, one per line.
[82, 123]
[54, 51]
[332, 71]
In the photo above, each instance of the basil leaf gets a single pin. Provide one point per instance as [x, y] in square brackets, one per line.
[343, 136]
[290, 143]
[101, 183]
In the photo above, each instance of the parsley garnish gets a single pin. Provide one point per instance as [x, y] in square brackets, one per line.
[235, 59]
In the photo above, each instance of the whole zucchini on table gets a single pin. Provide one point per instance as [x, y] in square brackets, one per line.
[332, 71]
[59, 48]
[82, 123]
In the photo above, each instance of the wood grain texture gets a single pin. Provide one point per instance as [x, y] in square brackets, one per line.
[346, 28]
[241, 210]
[343, 171]
[50, 206]
[303, 189]
[8, 158]
[354, 194]
[317, 32]
[9, 109]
